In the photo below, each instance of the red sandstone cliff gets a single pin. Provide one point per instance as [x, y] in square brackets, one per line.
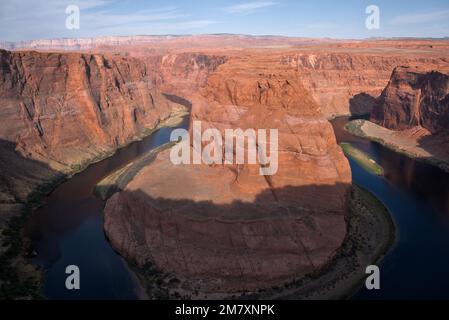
[414, 98]
[348, 82]
[61, 110]
[342, 81]
[343, 77]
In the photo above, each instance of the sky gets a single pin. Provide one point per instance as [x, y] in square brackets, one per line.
[344, 19]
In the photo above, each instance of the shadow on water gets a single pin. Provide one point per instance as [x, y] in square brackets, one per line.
[19, 174]
[68, 230]
[417, 196]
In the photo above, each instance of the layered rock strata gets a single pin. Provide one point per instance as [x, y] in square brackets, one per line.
[225, 228]
[60, 111]
[414, 98]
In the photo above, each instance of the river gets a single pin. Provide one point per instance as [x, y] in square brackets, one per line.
[417, 196]
[68, 228]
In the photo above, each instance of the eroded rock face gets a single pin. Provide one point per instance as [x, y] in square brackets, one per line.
[348, 82]
[343, 77]
[60, 110]
[68, 107]
[226, 229]
[414, 98]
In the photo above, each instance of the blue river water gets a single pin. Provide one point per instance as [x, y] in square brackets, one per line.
[68, 228]
[417, 196]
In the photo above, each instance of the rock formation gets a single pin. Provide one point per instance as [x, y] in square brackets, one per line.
[414, 98]
[348, 82]
[413, 115]
[226, 229]
[59, 111]
[343, 77]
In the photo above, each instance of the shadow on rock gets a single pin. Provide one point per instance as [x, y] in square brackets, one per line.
[230, 247]
[361, 104]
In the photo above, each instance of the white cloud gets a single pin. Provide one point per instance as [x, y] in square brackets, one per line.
[157, 28]
[31, 19]
[417, 18]
[249, 7]
[320, 26]
[106, 20]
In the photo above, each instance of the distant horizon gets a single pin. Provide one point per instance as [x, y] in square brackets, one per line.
[227, 34]
[28, 20]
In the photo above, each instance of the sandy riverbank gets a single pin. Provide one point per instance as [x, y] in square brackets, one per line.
[416, 143]
[118, 180]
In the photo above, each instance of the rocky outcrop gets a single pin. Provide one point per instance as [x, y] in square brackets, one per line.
[60, 111]
[224, 229]
[412, 115]
[184, 73]
[414, 98]
[347, 83]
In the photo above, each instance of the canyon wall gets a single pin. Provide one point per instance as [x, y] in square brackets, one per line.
[347, 82]
[343, 76]
[414, 98]
[59, 111]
